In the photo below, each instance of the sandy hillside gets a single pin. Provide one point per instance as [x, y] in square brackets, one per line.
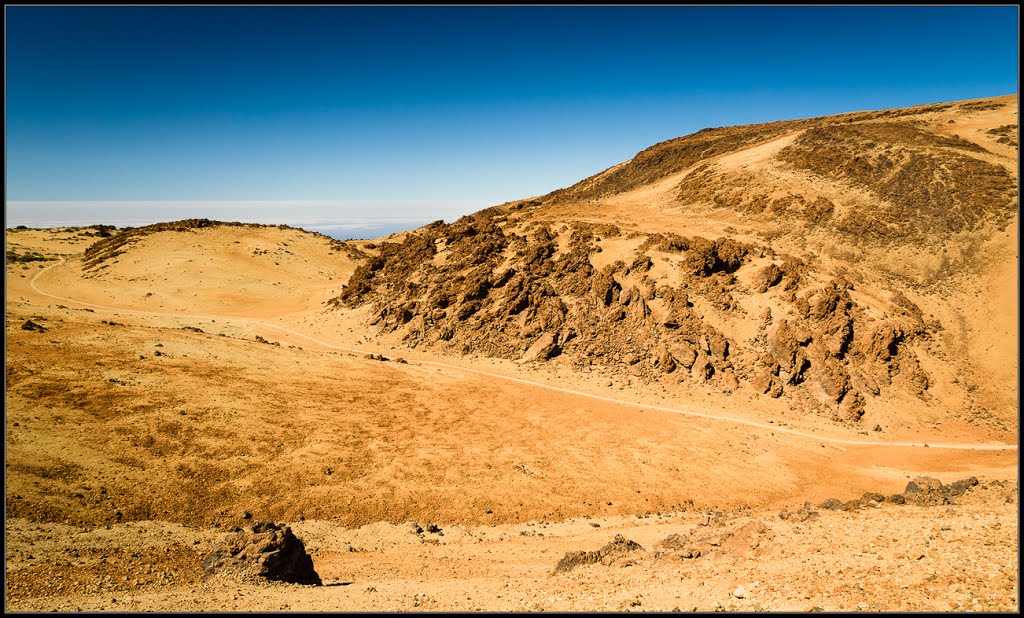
[743, 386]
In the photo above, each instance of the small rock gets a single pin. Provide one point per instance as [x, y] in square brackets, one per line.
[740, 592]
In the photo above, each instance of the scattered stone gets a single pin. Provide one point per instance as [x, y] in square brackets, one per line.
[740, 592]
[805, 513]
[958, 488]
[30, 325]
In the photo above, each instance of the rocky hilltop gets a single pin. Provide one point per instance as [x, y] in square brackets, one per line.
[700, 260]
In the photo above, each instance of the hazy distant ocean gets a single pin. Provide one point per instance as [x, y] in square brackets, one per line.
[340, 220]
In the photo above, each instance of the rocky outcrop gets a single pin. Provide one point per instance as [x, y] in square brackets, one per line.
[30, 325]
[615, 551]
[531, 293]
[743, 540]
[266, 550]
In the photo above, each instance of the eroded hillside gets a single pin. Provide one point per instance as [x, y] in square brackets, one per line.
[831, 261]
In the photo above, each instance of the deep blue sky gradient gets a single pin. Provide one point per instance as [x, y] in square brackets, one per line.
[484, 104]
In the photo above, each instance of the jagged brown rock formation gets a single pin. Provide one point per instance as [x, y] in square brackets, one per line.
[266, 550]
[481, 286]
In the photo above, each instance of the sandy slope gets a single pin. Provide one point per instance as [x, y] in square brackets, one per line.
[226, 270]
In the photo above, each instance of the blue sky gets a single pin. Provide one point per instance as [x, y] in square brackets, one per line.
[344, 113]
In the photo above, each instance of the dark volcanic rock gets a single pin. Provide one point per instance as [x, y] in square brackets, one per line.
[265, 550]
[923, 484]
[619, 547]
[928, 491]
[831, 504]
[958, 488]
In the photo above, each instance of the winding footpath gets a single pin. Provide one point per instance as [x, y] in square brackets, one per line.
[712, 417]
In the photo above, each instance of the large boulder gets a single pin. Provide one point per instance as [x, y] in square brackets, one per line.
[265, 550]
[767, 277]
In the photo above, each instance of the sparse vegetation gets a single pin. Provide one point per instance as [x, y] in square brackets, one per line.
[13, 257]
[981, 106]
[670, 157]
[113, 245]
[1007, 134]
[929, 186]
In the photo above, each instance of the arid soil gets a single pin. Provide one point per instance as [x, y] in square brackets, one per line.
[735, 351]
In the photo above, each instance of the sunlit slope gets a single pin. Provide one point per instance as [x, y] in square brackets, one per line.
[199, 267]
[128, 421]
[860, 266]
